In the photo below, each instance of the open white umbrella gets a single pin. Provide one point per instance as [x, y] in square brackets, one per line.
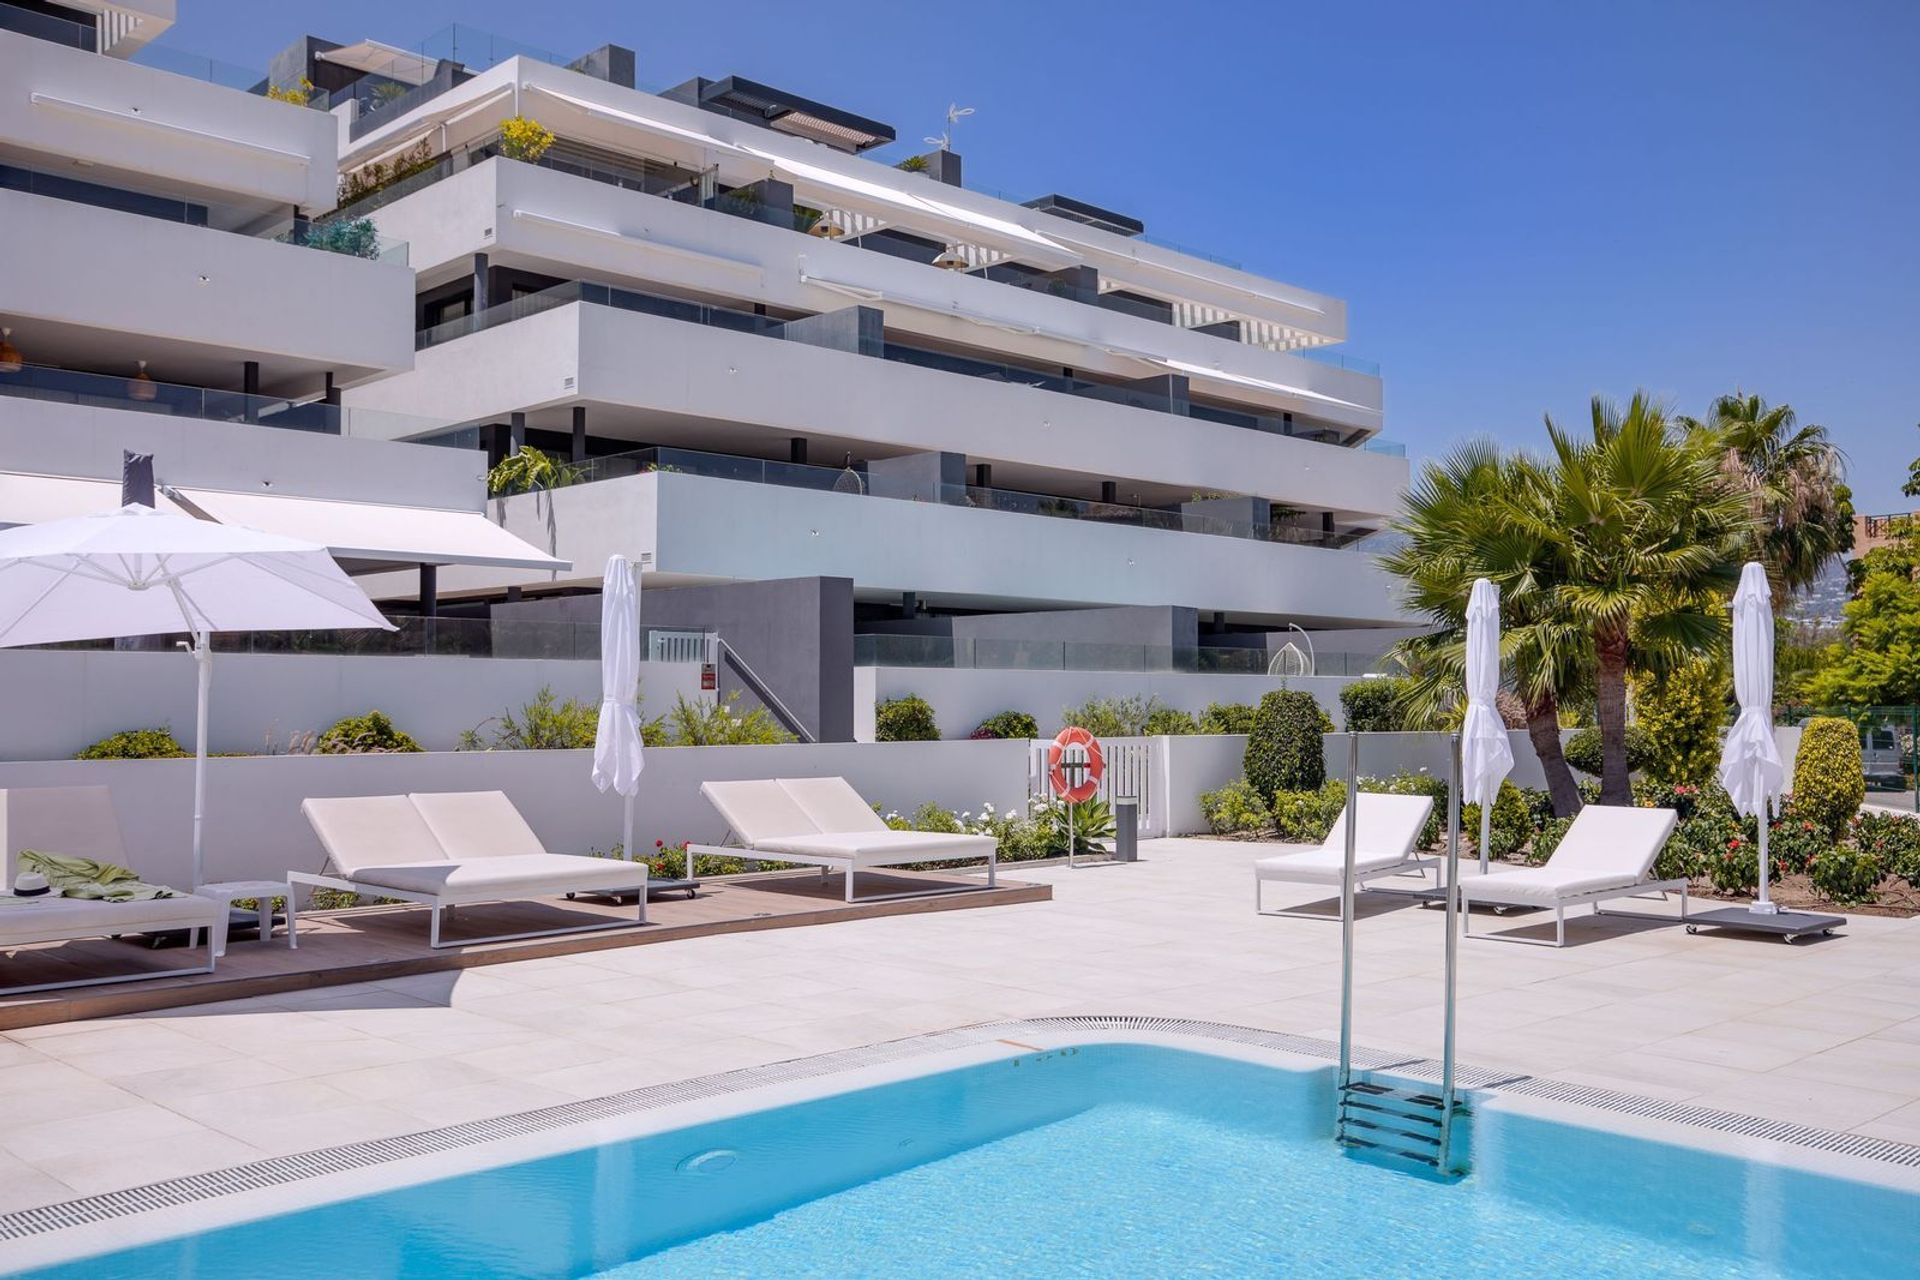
[1486, 756]
[137, 571]
[617, 754]
[1750, 766]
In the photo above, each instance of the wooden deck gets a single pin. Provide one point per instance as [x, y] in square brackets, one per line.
[371, 943]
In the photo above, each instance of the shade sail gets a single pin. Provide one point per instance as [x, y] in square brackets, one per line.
[373, 531]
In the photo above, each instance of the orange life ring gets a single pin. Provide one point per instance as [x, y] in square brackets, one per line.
[1090, 767]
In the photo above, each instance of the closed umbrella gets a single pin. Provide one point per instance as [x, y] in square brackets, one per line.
[1750, 766]
[1486, 756]
[617, 754]
[138, 571]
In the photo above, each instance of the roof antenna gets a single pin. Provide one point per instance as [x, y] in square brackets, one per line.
[955, 113]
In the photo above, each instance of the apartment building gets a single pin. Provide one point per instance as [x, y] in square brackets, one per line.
[850, 415]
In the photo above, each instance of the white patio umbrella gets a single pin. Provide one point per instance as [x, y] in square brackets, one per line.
[138, 571]
[1750, 766]
[1486, 757]
[617, 754]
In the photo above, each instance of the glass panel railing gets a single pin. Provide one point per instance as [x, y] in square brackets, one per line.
[195, 66]
[1338, 359]
[440, 637]
[985, 653]
[49, 27]
[1392, 448]
[562, 295]
[149, 395]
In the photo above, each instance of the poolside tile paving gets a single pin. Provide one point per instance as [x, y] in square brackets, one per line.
[1826, 1033]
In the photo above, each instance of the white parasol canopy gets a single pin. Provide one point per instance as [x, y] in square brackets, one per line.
[137, 571]
[618, 756]
[1750, 766]
[1486, 756]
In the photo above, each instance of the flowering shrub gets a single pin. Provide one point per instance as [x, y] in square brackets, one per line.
[1847, 875]
[1545, 841]
[1019, 838]
[1893, 839]
[1794, 841]
[1307, 816]
[523, 138]
[1735, 867]
[1510, 827]
[908, 718]
[1008, 724]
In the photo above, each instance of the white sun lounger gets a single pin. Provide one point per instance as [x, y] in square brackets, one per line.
[823, 822]
[1389, 829]
[80, 821]
[449, 849]
[1606, 853]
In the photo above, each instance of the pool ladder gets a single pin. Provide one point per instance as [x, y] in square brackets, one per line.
[1414, 1127]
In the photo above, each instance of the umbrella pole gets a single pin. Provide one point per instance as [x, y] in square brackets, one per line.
[203, 658]
[626, 830]
[1486, 828]
[1763, 905]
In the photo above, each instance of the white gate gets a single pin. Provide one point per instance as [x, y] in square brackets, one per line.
[1132, 770]
[676, 646]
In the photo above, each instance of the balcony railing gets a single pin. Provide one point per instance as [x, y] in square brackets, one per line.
[967, 653]
[855, 482]
[441, 637]
[765, 326]
[110, 391]
[352, 237]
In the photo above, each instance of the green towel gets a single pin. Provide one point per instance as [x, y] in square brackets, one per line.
[72, 877]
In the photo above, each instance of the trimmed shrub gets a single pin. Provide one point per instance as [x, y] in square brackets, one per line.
[1846, 875]
[1307, 816]
[905, 719]
[1284, 748]
[135, 744]
[1893, 839]
[1171, 722]
[1376, 705]
[1545, 841]
[1680, 714]
[1510, 829]
[1829, 781]
[1227, 717]
[371, 734]
[1235, 807]
[1008, 724]
[1583, 750]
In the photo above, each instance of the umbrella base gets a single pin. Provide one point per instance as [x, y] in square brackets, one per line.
[654, 887]
[1786, 925]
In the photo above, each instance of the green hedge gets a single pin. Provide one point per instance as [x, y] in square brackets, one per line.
[1285, 751]
[1583, 750]
[1376, 705]
[135, 744]
[905, 719]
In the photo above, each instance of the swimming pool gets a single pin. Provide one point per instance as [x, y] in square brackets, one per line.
[1105, 1159]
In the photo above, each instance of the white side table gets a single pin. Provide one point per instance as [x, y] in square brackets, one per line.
[231, 891]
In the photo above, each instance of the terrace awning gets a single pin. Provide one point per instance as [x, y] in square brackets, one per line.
[370, 535]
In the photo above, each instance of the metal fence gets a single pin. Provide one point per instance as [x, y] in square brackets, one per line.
[1131, 764]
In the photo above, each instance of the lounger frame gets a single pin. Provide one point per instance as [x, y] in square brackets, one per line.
[1415, 865]
[442, 907]
[828, 863]
[1640, 889]
[202, 936]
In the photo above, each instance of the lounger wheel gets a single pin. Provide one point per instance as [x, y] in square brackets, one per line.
[1693, 928]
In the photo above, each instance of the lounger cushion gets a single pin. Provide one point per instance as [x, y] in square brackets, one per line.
[759, 810]
[476, 824]
[56, 919]
[515, 876]
[1327, 865]
[880, 848]
[1607, 847]
[371, 831]
[832, 804]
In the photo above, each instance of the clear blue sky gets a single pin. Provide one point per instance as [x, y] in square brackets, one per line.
[1524, 203]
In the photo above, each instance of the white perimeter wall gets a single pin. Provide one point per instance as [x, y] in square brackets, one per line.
[60, 701]
[255, 829]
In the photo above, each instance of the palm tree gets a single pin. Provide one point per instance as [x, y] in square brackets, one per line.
[1792, 479]
[1639, 531]
[1456, 530]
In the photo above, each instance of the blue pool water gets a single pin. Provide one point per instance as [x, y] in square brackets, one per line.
[1111, 1161]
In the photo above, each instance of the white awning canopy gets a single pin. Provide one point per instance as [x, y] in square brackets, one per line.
[382, 59]
[30, 499]
[376, 534]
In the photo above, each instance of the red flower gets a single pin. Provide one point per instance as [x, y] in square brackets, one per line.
[659, 844]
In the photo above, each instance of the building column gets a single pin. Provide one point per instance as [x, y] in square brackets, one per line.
[797, 449]
[909, 604]
[516, 432]
[983, 475]
[579, 433]
[1110, 491]
[332, 393]
[250, 386]
[479, 283]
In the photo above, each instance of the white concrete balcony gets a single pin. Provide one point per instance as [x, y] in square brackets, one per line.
[650, 378]
[104, 118]
[571, 227]
[682, 528]
[99, 289]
